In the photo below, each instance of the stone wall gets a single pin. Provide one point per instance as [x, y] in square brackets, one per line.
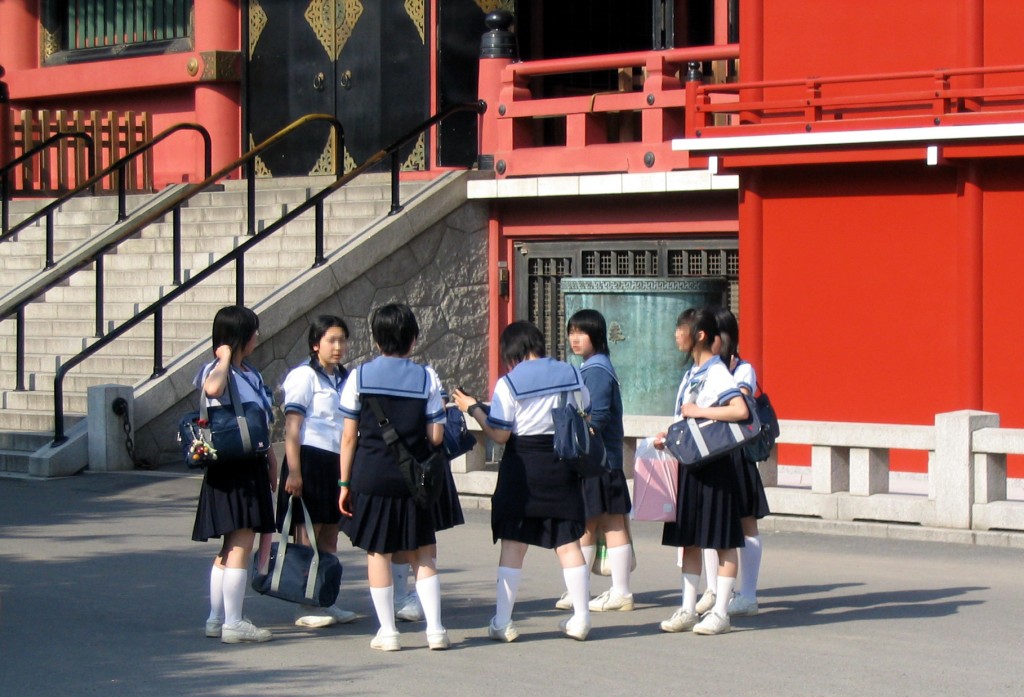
[441, 275]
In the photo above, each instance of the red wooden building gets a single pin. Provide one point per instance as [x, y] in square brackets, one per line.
[851, 171]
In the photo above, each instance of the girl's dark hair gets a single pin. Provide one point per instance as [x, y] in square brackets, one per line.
[518, 340]
[699, 320]
[394, 328]
[319, 327]
[729, 330]
[591, 323]
[234, 325]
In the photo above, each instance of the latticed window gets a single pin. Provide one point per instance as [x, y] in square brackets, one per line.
[76, 30]
[544, 265]
[547, 310]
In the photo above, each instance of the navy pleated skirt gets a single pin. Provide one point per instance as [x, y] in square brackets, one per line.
[608, 493]
[448, 511]
[750, 489]
[234, 496]
[320, 488]
[538, 500]
[707, 507]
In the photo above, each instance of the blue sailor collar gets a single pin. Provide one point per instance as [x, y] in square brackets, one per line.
[542, 376]
[601, 361]
[397, 377]
[698, 372]
[336, 380]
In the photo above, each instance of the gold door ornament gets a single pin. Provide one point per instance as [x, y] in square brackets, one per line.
[417, 13]
[257, 23]
[489, 6]
[333, 22]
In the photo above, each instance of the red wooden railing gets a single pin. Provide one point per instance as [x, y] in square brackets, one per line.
[670, 106]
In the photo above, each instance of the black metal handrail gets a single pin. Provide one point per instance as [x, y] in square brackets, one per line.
[117, 166]
[7, 169]
[237, 255]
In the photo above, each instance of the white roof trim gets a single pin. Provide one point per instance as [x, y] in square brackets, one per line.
[601, 184]
[887, 135]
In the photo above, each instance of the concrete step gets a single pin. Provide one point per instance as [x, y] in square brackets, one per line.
[72, 345]
[139, 364]
[22, 441]
[14, 461]
[36, 421]
[40, 401]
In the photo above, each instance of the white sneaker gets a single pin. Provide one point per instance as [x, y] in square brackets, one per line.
[741, 606]
[712, 623]
[565, 602]
[575, 628]
[310, 616]
[244, 631]
[611, 601]
[680, 621]
[506, 634]
[341, 616]
[706, 602]
[386, 641]
[408, 609]
[438, 641]
[213, 628]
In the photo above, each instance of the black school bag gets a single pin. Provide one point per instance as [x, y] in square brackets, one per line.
[760, 447]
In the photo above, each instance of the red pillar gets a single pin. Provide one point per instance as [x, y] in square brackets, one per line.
[751, 54]
[19, 50]
[970, 286]
[751, 244]
[218, 104]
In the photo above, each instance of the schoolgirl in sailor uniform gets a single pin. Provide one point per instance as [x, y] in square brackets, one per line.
[235, 500]
[605, 498]
[313, 425]
[749, 488]
[707, 506]
[379, 515]
[753, 501]
[538, 499]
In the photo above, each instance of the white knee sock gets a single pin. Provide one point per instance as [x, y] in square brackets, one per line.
[234, 594]
[384, 604]
[577, 580]
[690, 582]
[723, 595]
[620, 559]
[589, 553]
[711, 568]
[217, 593]
[429, 592]
[400, 581]
[508, 587]
[750, 566]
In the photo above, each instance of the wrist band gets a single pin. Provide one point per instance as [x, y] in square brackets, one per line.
[473, 406]
[341, 483]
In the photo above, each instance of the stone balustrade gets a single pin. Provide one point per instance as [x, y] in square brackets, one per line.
[850, 472]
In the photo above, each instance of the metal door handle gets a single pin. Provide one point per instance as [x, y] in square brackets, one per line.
[346, 79]
[319, 80]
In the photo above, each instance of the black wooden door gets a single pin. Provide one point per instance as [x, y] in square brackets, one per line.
[365, 61]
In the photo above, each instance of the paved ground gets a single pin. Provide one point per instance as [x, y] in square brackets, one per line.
[103, 593]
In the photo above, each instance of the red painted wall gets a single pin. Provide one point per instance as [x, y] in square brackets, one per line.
[838, 37]
[858, 284]
[1003, 329]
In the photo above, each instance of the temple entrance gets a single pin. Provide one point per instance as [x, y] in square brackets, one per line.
[367, 63]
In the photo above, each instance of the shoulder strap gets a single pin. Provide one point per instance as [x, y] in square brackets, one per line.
[236, 403]
[391, 437]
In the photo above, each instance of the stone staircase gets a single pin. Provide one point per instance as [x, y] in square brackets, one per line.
[138, 272]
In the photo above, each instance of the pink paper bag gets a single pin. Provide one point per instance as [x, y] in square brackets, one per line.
[655, 483]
